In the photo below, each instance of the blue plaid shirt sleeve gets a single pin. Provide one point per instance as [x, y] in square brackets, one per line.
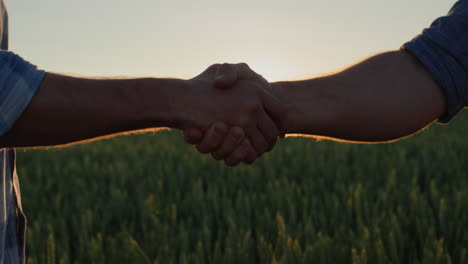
[443, 49]
[19, 81]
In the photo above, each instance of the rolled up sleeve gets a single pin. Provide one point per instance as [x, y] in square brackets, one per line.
[19, 81]
[443, 49]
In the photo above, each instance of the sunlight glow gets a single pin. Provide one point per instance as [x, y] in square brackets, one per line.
[274, 72]
[281, 40]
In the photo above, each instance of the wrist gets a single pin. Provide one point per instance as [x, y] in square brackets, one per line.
[289, 123]
[311, 106]
[187, 104]
[160, 102]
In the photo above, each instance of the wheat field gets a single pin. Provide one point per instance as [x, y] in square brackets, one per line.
[153, 199]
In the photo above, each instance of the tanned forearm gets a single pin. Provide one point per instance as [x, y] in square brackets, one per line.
[66, 109]
[383, 98]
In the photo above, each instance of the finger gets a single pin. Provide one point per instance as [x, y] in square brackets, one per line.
[233, 140]
[226, 76]
[251, 155]
[257, 140]
[239, 154]
[268, 129]
[193, 135]
[213, 138]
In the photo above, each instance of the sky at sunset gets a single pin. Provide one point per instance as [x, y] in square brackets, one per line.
[173, 38]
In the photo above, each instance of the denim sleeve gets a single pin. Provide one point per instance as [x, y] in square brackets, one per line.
[19, 81]
[443, 49]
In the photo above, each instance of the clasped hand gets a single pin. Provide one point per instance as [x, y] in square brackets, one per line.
[242, 118]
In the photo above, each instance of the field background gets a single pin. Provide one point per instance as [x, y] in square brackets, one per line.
[153, 199]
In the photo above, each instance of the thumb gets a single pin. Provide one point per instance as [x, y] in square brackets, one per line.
[226, 76]
[193, 136]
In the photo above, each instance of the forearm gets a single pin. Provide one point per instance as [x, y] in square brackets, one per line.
[383, 98]
[65, 109]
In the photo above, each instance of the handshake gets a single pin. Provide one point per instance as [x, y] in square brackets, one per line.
[238, 118]
[234, 113]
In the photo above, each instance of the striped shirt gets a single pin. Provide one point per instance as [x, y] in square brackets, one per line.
[443, 49]
[18, 82]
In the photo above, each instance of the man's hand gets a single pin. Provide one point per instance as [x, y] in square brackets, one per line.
[230, 144]
[66, 110]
